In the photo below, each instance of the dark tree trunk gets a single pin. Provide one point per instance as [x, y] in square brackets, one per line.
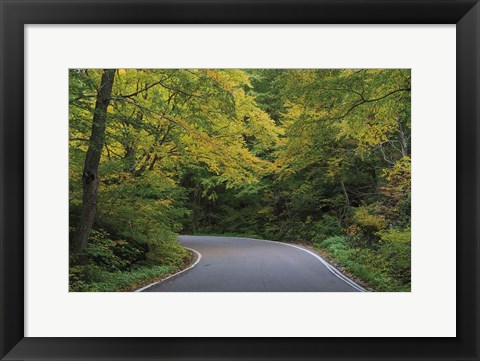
[90, 178]
[344, 190]
[341, 220]
[196, 206]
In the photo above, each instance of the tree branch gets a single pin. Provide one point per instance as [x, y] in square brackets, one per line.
[369, 101]
[163, 85]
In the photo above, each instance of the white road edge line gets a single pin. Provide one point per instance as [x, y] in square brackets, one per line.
[325, 263]
[199, 257]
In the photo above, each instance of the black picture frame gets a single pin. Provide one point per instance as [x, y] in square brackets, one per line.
[16, 13]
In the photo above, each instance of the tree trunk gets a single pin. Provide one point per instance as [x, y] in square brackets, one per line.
[344, 190]
[196, 206]
[347, 203]
[90, 178]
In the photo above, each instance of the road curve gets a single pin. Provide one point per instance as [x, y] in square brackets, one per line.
[230, 264]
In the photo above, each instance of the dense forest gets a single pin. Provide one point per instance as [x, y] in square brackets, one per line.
[319, 157]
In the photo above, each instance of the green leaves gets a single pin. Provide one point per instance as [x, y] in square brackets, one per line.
[299, 154]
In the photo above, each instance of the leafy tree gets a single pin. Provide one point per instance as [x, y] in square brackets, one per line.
[90, 176]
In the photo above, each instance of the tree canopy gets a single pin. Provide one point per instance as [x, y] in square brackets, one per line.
[318, 156]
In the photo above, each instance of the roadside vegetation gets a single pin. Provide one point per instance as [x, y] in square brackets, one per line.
[320, 157]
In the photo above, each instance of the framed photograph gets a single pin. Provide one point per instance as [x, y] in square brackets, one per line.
[239, 180]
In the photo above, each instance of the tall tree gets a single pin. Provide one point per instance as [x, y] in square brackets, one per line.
[90, 177]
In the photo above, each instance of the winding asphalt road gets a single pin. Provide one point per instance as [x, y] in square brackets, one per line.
[229, 264]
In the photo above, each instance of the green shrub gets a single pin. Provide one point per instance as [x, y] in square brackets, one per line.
[91, 278]
[110, 254]
[366, 218]
[148, 211]
[367, 221]
[166, 252]
[395, 249]
[113, 264]
[337, 242]
[326, 227]
[384, 269]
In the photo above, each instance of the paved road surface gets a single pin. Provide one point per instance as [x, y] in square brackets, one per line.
[230, 264]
